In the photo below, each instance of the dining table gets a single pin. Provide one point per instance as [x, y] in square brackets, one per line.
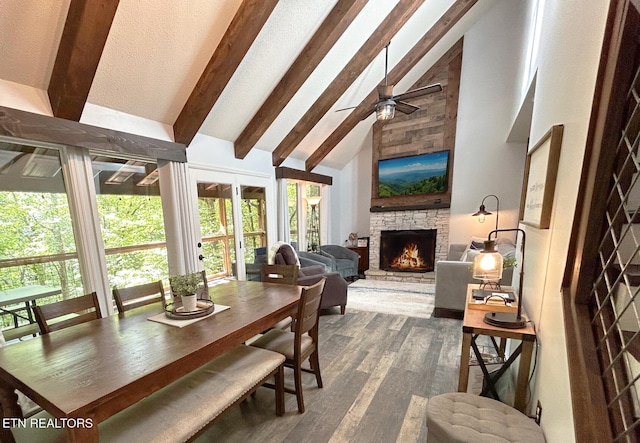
[86, 373]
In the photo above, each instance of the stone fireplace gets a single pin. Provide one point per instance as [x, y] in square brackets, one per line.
[434, 220]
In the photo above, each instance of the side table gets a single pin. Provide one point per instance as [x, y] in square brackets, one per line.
[363, 262]
[473, 326]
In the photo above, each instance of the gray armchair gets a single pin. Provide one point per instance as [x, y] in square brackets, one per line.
[335, 287]
[452, 277]
[346, 260]
[313, 259]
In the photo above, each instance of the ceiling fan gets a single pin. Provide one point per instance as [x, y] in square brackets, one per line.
[387, 102]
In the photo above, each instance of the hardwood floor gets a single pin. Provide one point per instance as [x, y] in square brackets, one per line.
[379, 371]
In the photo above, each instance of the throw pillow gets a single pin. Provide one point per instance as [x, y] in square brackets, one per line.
[475, 244]
[470, 254]
[289, 255]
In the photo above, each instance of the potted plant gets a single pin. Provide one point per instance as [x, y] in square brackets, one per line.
[185, 287]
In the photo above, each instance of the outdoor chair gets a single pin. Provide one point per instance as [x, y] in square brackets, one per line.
[302, 343]
[69, 312]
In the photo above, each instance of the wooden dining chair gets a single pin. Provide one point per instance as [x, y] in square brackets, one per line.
[283, 274]
[69, 312]
[140, 295]
[204, 291]
[302, 343]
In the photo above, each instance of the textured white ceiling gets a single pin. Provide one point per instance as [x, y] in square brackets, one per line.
[157, 49]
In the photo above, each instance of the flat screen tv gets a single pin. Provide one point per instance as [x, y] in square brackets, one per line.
[414, 175]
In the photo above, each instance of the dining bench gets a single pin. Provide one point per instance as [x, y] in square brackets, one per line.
[183, 409]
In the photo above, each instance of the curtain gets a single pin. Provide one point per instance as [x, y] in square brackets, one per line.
[178, 210]
[284, 234]
[86, 225]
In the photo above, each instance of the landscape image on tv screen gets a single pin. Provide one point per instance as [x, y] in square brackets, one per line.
[418, 174]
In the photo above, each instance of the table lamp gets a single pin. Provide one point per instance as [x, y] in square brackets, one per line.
[486, 263]
[487, 266]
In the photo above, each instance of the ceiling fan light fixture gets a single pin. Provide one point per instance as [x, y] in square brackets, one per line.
[385, 110]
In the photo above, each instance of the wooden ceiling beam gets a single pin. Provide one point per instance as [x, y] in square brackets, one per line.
[83, 39]
[25, 125]
[420, 49]
[331, 29]
[296, 174]
[358, 63]
[240, 35]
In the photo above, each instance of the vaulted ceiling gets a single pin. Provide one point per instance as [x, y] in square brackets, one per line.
[264, 74]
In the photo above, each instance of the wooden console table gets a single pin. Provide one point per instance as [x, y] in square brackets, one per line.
[473, 326]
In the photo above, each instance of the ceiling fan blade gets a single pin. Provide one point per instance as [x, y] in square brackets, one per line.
[345, 109]
[419, 92]
[406, 108]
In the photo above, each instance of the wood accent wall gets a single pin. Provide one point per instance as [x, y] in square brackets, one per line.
[432, 128]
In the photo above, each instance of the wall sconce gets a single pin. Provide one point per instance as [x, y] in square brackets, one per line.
[482, 212]
[509, 320]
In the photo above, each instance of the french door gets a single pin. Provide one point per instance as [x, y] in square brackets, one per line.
[232, 221]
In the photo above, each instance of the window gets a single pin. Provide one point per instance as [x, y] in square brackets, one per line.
[38, 257]
[292, 194]
[131, 221]
[254, 220]
[216, 225]
[312, 208]
[305, 221]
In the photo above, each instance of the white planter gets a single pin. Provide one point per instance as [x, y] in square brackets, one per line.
[190, 302]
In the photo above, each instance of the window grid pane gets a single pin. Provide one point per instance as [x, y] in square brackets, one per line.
[616, 288]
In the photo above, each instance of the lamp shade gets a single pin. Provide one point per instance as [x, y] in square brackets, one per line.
[385, 110]
[482, 211]
[481, 214]
[487, 265]
[313, 201]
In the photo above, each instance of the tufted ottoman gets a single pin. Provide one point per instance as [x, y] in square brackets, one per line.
[461, 417]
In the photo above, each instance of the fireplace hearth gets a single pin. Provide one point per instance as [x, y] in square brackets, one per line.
[408, 250]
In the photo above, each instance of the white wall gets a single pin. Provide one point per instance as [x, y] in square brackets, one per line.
[484, 163]
[355, 195]
[567, 61]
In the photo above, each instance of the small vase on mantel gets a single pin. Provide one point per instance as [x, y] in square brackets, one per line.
[190, 302]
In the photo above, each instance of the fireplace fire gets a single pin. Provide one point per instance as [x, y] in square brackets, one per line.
[408, 251]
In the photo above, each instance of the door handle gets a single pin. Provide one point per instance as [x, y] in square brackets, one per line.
[201, 257]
